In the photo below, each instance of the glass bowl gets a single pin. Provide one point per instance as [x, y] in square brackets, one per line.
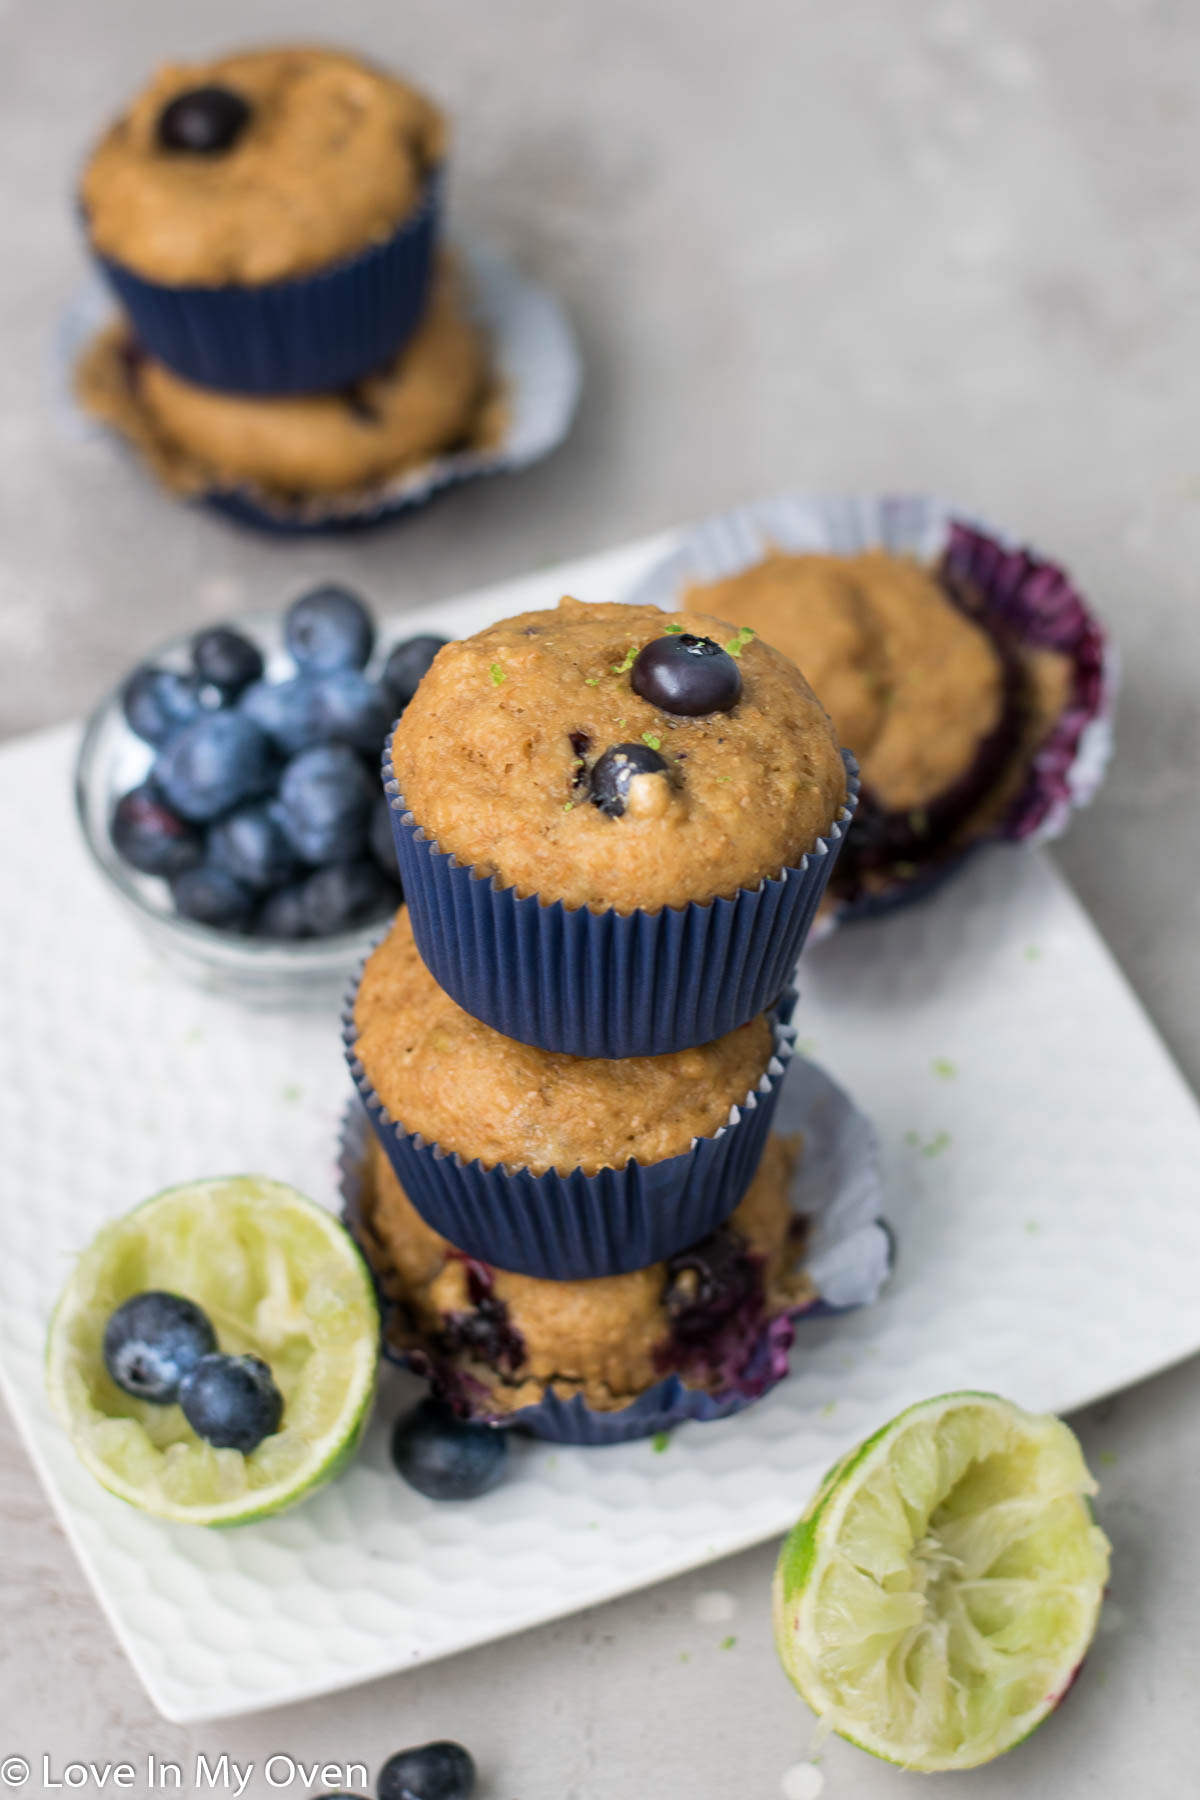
[309, 972]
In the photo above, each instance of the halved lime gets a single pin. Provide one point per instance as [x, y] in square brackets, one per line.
[279, 1277]
[937, 1598]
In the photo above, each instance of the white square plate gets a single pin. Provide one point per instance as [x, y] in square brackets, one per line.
[1039, 1155]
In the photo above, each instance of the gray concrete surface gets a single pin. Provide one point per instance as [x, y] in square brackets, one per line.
[949, 245]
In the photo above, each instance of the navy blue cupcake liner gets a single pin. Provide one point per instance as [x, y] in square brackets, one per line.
[850, 1256]
[302, 336]
[575, 1227]
[607, 984]
[535, 364]
[1029, 602]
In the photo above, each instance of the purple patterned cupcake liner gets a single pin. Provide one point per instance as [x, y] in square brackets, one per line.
[308, 335]
[574, 1227]
[851, 1255]
[607, 984]
[1026, 602]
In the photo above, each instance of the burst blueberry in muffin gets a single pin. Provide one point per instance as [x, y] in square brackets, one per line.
[717, 1314]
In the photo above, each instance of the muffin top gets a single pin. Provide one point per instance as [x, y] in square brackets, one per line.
[437, 396]
[915, 688]
[327, 155]
[468, 1089]
[554, 752]
[609, 1338]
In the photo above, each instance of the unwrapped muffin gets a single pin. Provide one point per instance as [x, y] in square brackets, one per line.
[942, 708]
[437, 395]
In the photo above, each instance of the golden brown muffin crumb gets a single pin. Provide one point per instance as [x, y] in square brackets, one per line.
[913, 686]
[437, 396]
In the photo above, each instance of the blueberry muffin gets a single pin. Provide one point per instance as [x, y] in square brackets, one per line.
[613, 757]
[436, 396]
[258, 167]
[470, 1091]
[941, 709]
[495, 1342]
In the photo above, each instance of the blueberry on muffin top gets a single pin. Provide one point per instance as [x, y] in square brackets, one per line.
[520, 756]
[259, 166]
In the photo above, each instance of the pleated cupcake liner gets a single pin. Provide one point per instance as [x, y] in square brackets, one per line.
[1030, 602]
[303, 336]
[535, 362]
[607, 984]
[849, 1257]
[574, 1226]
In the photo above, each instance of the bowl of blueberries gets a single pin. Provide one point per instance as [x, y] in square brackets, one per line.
[230, 792]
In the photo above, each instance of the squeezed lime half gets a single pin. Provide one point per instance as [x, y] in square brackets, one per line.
[936, 1600]
[279, 1277]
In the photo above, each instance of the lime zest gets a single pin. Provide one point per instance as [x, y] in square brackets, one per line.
[627, 661]
[737, 644]
[497, 674]
[651, 738]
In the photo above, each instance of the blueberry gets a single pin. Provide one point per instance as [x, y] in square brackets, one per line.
[203, 121]
[251, 844]
[383, 844]
[151, 837]
[345, 895]
[687, 675]
[211, 764]
[152, 1341]
[444, 1458]
[231, 1401]
[405, 666]
[613, 772]
[328, 629]
[214, 897]
[226, 658]
[157, 702]
[284, 914]
[352, 710]
[708, 1283]
[325, 800]
[288, 711]
[442, 1771]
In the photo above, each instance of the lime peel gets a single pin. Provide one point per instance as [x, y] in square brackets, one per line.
[936, 1599]
[281, 1278]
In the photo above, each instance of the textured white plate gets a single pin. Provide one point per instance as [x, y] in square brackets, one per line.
[1039, 1153]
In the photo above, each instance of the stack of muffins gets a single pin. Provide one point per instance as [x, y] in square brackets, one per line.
[268, 222]
[614, 827]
